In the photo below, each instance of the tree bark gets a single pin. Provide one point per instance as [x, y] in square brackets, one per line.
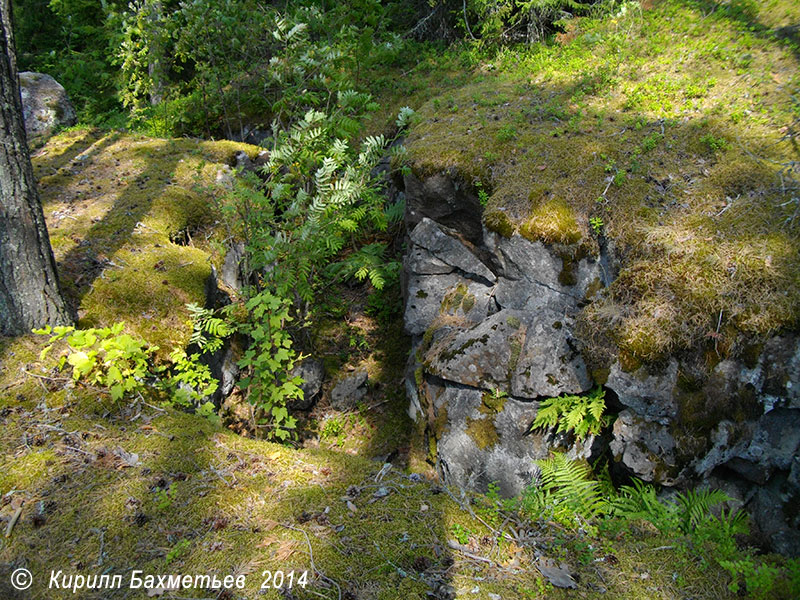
[30, 295]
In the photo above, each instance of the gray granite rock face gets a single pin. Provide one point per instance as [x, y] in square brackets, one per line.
[648, 392]
[494, 317]
[349, 390]
[483, 439]
[489, 320]
[312, 372]
[45, 104]
[526, 355]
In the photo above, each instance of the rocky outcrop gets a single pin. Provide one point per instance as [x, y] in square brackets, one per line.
[45, 104]
[493, 324]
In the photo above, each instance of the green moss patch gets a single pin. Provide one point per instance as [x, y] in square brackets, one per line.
[552, 222]
[647, 130]
[483, 432]
[131, 222]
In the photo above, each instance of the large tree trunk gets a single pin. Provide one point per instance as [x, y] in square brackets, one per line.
[30, 295]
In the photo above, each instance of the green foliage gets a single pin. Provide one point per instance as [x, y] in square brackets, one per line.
[208, 331]
[759, 579]
[713, 143]
[268, 362]
[510, 21]
[103, 357]
[368, 262]
[507, 133]
[69, 39]
[177, 551]
[189, 380]
[640, 501]
[596, 224]
[582, 415]
[689, 513]
[567, 492]
[107, 358]
[461, 533]
[164, 498]
[318, 196]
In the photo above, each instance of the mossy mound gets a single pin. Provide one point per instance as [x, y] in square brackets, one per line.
[669, 141]
[131, 222]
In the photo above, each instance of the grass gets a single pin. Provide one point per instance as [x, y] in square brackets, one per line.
[670, 135]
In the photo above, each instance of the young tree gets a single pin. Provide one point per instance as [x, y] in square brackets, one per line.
[30, 295]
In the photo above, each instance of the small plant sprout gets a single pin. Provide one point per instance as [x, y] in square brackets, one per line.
[483, 195]
[596, 224]
[404, 117]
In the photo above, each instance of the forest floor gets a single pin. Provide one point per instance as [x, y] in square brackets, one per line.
[108, 487]
[92, 486]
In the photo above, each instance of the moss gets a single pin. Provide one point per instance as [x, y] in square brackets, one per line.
[515, 345]
[513, 322]
[751, 354]
[497, 221]
[600, 376]
[458, 298]
[633, 146]
[128, 197]
[468, 303]
[27, 471]
[591, 290]
[492, 403]
[427, 337]
[628, 362]
[151, 293]
[553, 222]
[483, 432]
[437, 424]
[421, 294]
[451, 354]
[418, 376]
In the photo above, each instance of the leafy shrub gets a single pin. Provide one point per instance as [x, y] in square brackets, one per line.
[103, 357]
[268, 362]
[106, 358]
[513, 21]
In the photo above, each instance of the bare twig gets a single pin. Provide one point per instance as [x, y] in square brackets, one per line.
[466, 23]
[454, 545]
[14, 519]
[311, 558]
[102, 535]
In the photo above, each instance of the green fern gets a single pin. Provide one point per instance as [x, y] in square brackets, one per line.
[566, 489]
[688, 513]
[582, 415]
[208, 331]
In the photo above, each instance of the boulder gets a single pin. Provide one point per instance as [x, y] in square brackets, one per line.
[231, 274]
[312, 372]
[348, 390]
[646, 449]
[445, 199]
[449, 250]
[45, 105]
[493, 322]
[648, 392]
